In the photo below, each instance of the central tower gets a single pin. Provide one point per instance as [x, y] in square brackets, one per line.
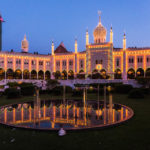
[99, 54]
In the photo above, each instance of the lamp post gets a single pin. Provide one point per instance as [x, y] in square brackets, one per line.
[64, 98]
[84, 97]
[110, 104]
[98, 97]
[64, 94]
[105, 104]
[37, 113]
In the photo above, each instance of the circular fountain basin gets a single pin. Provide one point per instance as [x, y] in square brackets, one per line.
[71, 115]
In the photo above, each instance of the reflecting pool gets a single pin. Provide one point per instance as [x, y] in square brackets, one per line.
[71, 114]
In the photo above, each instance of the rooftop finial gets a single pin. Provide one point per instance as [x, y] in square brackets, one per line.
[87, 29]
[111, 26]
[99, 13]
[124, 34]
[25, 37]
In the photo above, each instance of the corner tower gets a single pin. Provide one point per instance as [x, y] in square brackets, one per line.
[1, 21]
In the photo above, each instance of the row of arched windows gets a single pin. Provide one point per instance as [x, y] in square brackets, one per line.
[18, 74]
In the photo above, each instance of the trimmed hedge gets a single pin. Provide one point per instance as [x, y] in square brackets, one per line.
[43, 92]
[1, 94]
[146, 91]
[27, 90]
[77, 92]
[12, 93]
[123, 89]
[58, 90]
[136, 93]
[12, 84]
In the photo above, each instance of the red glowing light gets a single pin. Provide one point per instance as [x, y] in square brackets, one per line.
[1, 19]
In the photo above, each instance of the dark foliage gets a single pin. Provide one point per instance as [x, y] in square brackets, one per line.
[12, 93]
[136, 93]
[27, 90]
[77, 92]
[123, 89]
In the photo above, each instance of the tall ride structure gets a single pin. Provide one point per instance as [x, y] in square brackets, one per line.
[1, 21]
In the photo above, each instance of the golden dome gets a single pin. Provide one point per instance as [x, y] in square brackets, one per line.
[99, 33]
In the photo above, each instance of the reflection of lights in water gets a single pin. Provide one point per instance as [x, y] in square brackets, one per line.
[76, 116]
[39, 114]
[99, 112]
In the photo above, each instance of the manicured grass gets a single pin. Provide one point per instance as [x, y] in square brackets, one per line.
[132, 135]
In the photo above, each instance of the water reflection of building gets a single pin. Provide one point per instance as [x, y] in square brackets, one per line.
[74, 115]
[100, 57]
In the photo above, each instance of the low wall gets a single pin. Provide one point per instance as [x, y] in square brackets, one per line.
[75, 81]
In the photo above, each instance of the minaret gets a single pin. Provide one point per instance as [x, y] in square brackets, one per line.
[124, 58]
[76, 51]
[76, 46]
[24, 45]
[1, 21]
[124, 42]
[111, 35]
[87, 37]
[52, 48]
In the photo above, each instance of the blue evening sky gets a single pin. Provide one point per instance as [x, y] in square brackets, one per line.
[65, 20]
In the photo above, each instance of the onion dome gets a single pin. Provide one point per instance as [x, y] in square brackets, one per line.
[99, 33]
[24, 45]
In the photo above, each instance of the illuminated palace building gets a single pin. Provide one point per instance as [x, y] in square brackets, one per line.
[99, 60]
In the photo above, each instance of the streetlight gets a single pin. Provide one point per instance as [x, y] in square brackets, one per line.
[110, 103]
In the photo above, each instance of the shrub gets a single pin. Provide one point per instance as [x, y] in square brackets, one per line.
[58, 90]
[92, 90]
[52, 84]
[1, 94]
[146, 91]
[43, 92]
[68, 89]
[12, 84]
[136, 93]
[123, 89]
[12, 93]
[77, 92]
[25, 84]
[27, 90]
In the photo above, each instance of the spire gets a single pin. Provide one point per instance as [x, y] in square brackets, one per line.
[124, 41]
[52, 48]
[111, 27]
[25, 37]
[87, 37]
[99, 13]
[76, 46]
[111, 35]
[1, 21]
[124, 36]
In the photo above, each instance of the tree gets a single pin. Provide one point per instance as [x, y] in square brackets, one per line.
[144, 81]
[52, 84]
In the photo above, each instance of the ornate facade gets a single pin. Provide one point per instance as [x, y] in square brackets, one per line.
[99, 60]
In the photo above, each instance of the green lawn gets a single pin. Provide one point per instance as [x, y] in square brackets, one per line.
[133, 135]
